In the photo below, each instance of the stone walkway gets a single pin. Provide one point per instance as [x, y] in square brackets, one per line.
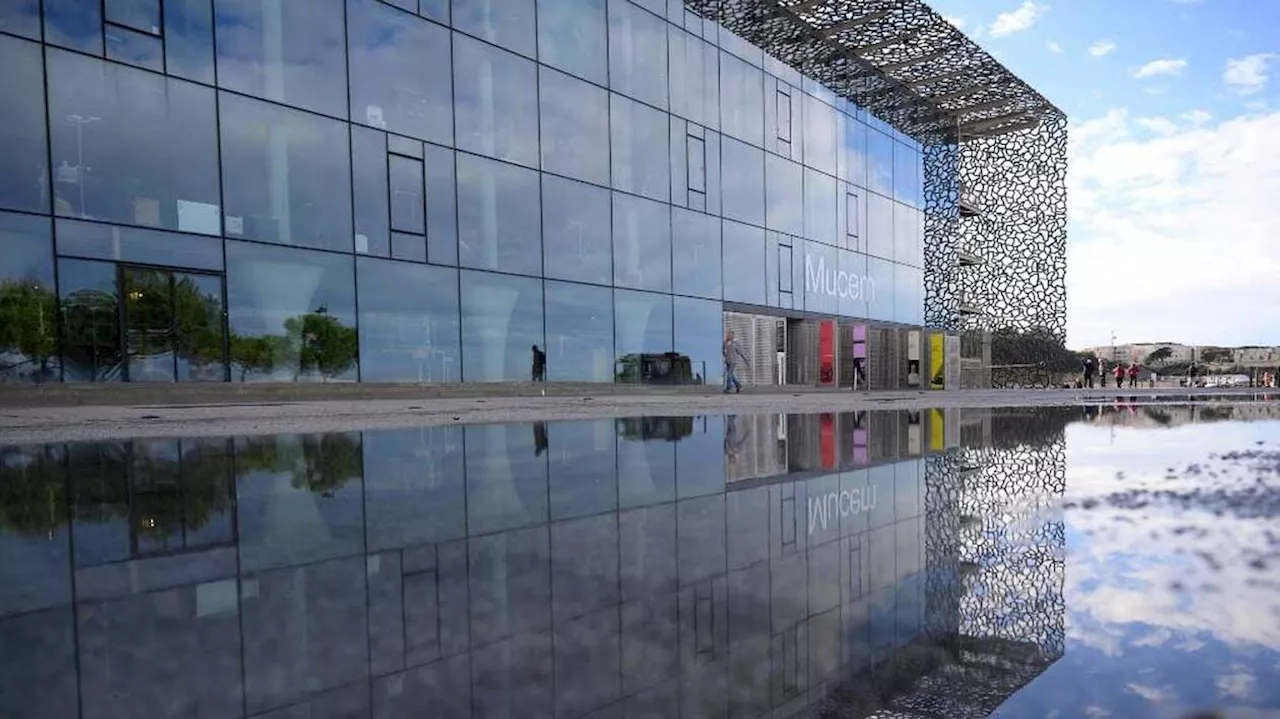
[22, 423]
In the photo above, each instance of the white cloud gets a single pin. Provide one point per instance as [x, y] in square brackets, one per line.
[1157, 125]
[1196, 116]
[1055, 47]
[1172, 233]
[1015, 21]
[1248, 75]
[1102, 47]
[1167, 66]
[958, 22]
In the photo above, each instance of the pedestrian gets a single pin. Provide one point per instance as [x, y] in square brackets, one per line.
[1133, 374]
[1090, 369]
[539, 365]
[732, 353]
[1119, 372]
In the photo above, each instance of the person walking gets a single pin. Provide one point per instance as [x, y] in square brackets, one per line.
[732, 353]
[1090, 369]
[1134, 369]
[539, 365]
[1119, 372]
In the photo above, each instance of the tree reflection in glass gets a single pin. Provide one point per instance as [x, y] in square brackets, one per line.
[28, 337]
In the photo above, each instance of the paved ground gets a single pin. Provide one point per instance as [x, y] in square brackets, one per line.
[21, 422]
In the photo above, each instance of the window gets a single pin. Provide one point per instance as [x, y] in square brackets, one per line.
[575, 128]
[134, 48]
[641, 243]
[577, 235]
[820, 135]
[412, 248]
[133, 244]
[641, 154]
[699, 328]
[507, 23]
[28, 302]
[286, 175]
[906, 174]
[744, 263]
[637, 53]
[879, 162]
[853, 153]
[24, 171]
[409, 322]
[879, 239]
[821, 214]
[131, 146]
[501, 322]
[400, 75]
[695, 79]
[496, 96]
[880, 294]
[695, 239]
[572, 37]
[741, 99]
[852, 216]
[499, 224]
[372, 192]
[292, 314]
[783, 101]
[90, 321]
[407, 195]
[21, 17]
[783, 269]
[785, 195]
[288, 52]
[188, 39]
[696, 149]
[579, 333]
[642, 323]
[442, 206]
[75, 24]
[742, 177]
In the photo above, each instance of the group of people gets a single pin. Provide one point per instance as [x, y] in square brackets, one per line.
[1095, 367]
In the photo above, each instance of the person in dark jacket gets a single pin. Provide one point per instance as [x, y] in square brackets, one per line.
[539, 365]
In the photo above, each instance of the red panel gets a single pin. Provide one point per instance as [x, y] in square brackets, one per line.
[827, 440]
[826, 352]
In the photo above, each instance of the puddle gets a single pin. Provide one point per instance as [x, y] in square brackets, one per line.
[1104, 560]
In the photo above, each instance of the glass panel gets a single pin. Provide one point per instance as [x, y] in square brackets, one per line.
[141, 15]
[879, 239]
[289, 52]
[415, 490]
[400, 75]
[879, 162]
[21, 17]
[398, 145]
[637, 53]
[200, 321]
[821, 214]
[409, 324]
[132, 147]
[696, 156]
[408, 247]
[744, 263]
[695, 79]
[906, 174]
[880, 294]
[853, 154]
[133, 244]
[372, 191]
[135, 48]
[76, 24]
[90, 321]
[407, 195]
[853, 288]
[575, 128]
[699, 326]
[641, 243]
[286, 175]
[442, 206]
[743, 176]
[499, 224]
[148, 324]
[508, 23]
[188, 39]
[583, 467]
[576, 231]
[908, 295]
[24, 162]
[437, 10]
[642, 325]
[820, 138]
[741, 100]
[501, 322]
[496, 96]
[641, 154]
[579, 333]
[785, 195]
[572, 36]
[292, 314]
[28, 305]
[695, 240]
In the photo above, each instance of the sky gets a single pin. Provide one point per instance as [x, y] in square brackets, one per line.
[1173, 187]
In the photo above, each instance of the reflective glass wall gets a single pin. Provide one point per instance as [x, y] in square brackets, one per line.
[423, 190]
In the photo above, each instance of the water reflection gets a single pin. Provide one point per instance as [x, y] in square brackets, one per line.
[835, 564]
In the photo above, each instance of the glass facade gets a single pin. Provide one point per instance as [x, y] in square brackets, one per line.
[424, 190]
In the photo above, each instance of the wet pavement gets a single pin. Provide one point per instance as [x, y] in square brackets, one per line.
[1113, 558]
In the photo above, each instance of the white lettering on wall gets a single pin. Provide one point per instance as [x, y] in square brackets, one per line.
[838, 505]
[837, 283]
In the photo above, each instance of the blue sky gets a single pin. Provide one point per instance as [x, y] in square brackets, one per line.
[1174, 177]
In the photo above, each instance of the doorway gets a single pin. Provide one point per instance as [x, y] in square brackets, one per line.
[173, 325]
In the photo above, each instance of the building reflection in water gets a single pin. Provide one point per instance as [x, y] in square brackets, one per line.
[663, 566]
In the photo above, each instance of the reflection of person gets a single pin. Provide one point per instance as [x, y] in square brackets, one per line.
[733, 441]
[540, 444]
[539, 365]
[732, 353]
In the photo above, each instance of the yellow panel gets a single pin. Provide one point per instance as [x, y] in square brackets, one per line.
[937, 431]
[937, 360]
